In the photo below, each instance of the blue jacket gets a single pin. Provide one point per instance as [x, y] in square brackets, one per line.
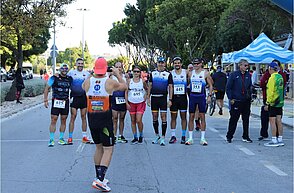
[234, 86]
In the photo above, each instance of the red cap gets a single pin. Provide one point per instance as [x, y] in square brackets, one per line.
[100, 66]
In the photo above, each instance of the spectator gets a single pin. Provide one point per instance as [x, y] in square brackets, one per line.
[219, 84]
[19, 85]
[41, 73]
[46, 76]
[274, 104]
[239, 94]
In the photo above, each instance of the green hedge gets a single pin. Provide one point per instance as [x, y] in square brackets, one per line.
[33, 87]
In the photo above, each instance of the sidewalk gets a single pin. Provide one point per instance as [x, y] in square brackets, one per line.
[288, 113]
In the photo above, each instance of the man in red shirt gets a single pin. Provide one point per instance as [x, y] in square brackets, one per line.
[264, 116]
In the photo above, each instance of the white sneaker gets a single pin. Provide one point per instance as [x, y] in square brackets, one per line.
[162, 142]
[97, 184]
[272, 144]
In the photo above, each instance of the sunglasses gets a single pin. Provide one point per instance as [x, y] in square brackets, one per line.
[136, 71]
[63, 69]
[197, 63]
[80, 63]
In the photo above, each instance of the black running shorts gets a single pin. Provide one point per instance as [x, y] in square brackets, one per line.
[274, 111]
[159, 103]
[179, 102]
[79, 102]
[101, 127]
[61, 111]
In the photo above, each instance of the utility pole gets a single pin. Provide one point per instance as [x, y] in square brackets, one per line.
[83, 38]
[54, 48]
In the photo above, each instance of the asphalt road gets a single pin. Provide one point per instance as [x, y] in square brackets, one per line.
[29, 166]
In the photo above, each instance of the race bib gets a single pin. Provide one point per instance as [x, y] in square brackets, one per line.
[97, 106]
[59, 104]
[120, 100]
[136, 94]
[197, 87]
[179, 89]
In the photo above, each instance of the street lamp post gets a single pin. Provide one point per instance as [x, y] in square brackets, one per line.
[83, 39]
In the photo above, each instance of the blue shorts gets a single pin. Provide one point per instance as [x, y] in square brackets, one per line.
[197, 99]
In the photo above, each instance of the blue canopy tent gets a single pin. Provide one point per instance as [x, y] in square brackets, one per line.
[263, 50]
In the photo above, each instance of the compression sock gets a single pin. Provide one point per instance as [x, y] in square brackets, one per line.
[84, 134]
[164, 126]
[141, 134]
[70, 134]
[135, 135]
[183, 132]
[155, 126]
[61, 135]
[52, 135]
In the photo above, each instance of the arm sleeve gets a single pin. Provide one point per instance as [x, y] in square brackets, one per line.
[51, 81]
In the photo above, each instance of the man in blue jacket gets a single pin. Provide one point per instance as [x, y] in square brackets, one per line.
[238, 90]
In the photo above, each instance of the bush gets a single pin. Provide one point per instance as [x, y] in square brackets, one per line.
[33, 87]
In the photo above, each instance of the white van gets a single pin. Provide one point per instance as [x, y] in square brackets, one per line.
[27, 66]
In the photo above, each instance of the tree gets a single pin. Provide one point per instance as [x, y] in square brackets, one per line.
[27, 23]
[243, 21]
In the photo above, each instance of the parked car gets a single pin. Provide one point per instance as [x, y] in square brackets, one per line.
[3, 74]
[25, 75]
[11, 74]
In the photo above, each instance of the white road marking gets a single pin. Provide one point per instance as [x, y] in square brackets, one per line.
[245, 150]
[273, 168]
[81, 148]
[223, 136]
[213, 130]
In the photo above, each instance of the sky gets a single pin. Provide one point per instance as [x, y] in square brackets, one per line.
[97, 22]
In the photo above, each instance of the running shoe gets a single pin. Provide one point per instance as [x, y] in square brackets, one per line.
[155, 141]
[51, 143]
[272, 144]
[140, 140]
[61, 142]
[100, 185]
[189, 142]
[229, 140]
[281, 143]
[69, 141]
[183, 140]
[247, 140]
[173, 139]
[105, 181]
[134, 141]
[86, 140]
[203, 142]
[123, 139]
[162, 142]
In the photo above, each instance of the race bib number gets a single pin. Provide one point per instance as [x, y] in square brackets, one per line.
[196, 87]
[136, 94]
[120, 100]
[59, 104]
[179, 89]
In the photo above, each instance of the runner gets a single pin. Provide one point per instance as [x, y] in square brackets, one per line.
[119, 109]
[136, 97]
[179, 99]
[78, 100]
[60, 102]
[98, 88]
[160, 84]
[219, 83]
[198, 79]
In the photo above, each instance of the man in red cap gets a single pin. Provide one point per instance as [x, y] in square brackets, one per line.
[98, 88]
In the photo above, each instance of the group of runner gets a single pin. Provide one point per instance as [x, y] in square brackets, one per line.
[107, 94]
